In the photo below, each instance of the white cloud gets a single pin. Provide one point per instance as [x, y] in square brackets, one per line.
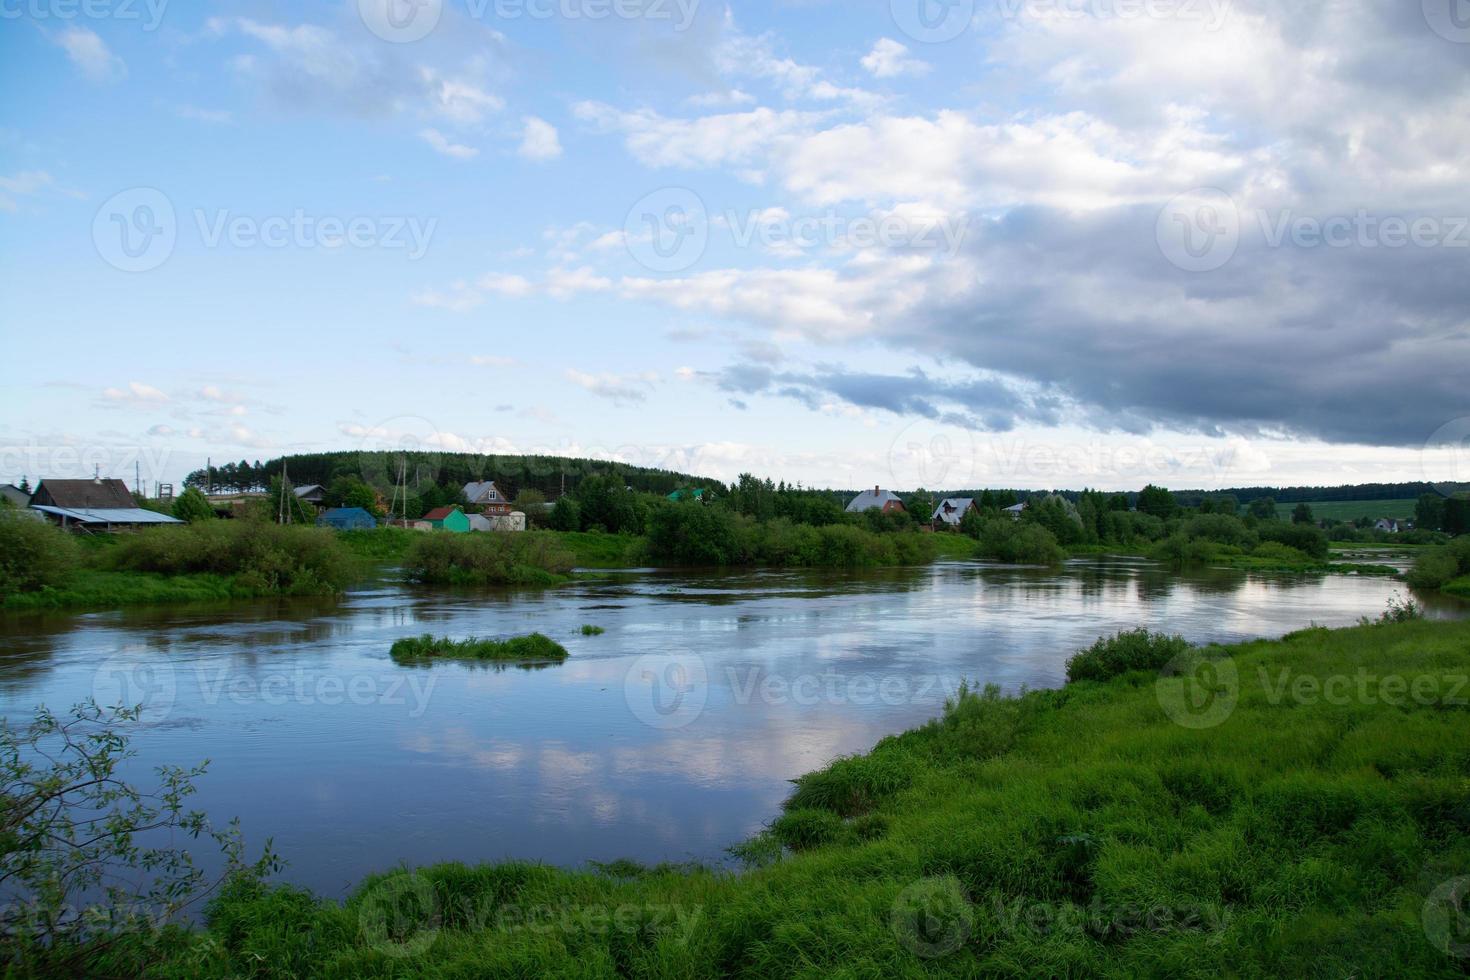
[136, 393]
[539, 140]
[619, 389]
[889, 59]
[458, 100]
[442, 144]
[91, 55]
[492, 360]
[505, 284]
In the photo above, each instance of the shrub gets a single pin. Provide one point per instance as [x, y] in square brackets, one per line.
[1133, 650]
[1276, 551]
[265, 559]
[525, 649]
[487, 559]
[193, 506]
[1432, 570]
[1302, 537]
[34, 555]
[1221, 528]
[1003, 539]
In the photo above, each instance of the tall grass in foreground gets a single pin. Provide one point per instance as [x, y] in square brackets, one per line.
[487, 559]
[1077, 832]
[533, 648]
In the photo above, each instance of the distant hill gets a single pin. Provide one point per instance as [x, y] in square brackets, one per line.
[511, 473]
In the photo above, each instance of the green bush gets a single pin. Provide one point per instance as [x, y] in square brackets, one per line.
[263, 558]
[487, 559]
[1019, 543]
[1302, 537]
[1132, 650]
[34, 555]
[1220, 528]
[1435, 569]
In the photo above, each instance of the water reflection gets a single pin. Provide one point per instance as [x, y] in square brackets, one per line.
[355, 764]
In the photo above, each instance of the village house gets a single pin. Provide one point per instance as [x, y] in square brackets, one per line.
[876, 499]
[312, 493]
[953, 511]
[487, 499]
[93, 505]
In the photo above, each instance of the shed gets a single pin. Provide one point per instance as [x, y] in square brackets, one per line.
[312, 493]
[97, 505]
[347, 519]
[20, 502]
[449, 519]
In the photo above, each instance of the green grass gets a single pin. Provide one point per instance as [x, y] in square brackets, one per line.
[593, 631]
[384, 544]
[958, 546]
[521, 649]
[1458, 587]
[1079, 832]
[88, 589]
[1351, 510]
[593, 550]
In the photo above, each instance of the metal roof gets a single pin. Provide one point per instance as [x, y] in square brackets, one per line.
[109, 515]
[868, 500]
[479, 492]
[952, 510]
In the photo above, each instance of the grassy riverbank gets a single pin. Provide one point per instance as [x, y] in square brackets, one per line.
[1290, 816]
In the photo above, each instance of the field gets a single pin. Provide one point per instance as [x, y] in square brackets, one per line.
[1351, 510]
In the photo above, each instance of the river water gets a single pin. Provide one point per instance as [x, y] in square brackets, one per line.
[668, 738]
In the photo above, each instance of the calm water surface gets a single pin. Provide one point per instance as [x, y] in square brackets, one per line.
[671, 737]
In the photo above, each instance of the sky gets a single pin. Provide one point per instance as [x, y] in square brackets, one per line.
[945, 243]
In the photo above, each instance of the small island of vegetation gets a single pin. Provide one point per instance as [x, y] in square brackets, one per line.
[535, 648]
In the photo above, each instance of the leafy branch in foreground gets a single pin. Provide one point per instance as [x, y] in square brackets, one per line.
[74, 874]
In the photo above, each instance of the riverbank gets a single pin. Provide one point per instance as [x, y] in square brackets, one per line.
[1288, 813]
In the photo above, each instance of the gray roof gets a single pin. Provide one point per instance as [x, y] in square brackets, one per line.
[950, 511]
[109, 515]
[1016, 508]
[868, 500]
[478, 493]
[309, 488]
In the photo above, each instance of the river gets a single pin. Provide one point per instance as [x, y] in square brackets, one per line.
[668, 738]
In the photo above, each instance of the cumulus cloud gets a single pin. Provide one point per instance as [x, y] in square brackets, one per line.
[539, 140]
[136, 394]
[889, 59]
[1067, 297]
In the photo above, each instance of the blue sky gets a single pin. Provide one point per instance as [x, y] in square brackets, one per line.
[1030, 243]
